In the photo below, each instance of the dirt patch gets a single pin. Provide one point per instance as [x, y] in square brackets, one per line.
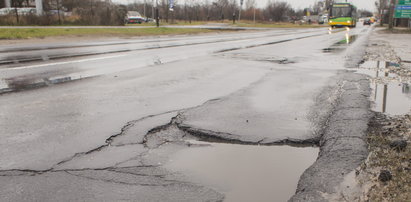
[397, 31]
[386, 175]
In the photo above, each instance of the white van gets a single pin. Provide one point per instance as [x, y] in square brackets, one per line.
[20, 11]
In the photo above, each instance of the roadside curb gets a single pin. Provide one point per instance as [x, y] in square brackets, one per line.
[343, 146]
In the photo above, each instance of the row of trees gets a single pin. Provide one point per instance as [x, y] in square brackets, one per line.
[217, 10]
[104, 12]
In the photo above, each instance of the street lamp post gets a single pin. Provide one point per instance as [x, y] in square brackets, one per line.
[241, 8]
[144, 12]
[157, 17]
[152, 10]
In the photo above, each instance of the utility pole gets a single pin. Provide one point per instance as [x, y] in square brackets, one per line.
[152, 10]
[392, 13]
[144, 12]
[17, 13]
[241, 8]
[157, 17]
[254, 16]
[58, 11]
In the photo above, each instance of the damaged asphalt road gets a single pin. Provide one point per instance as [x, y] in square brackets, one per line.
[75, 141]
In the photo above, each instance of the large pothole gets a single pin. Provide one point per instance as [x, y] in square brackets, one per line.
[241, 171]
[245, 172]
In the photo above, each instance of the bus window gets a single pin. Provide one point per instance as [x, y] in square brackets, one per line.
[341, 12]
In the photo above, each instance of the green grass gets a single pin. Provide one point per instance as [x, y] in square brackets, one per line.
[176, 22]
[129, 31]
[242, 23]
[26, 33]
[278, 25]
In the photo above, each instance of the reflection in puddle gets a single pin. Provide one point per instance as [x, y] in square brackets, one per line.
[392, 94]
[392, 98]
[341, 45]
[348, 39]
[246, 172]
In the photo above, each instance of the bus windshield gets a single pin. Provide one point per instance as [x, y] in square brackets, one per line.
[337, 12]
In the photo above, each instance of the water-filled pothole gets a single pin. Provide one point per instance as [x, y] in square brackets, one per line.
[245, 172]
[391, 92]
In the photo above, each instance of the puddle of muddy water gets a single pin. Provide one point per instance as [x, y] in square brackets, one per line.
[391, 94]
[245, 172]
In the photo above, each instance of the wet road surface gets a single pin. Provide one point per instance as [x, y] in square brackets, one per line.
[109, 115]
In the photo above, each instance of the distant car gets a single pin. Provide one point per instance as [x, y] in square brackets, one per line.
[367, 22]
[150, 20]
[134, 17]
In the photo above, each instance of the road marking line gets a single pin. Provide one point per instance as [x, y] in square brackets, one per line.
[63, 63]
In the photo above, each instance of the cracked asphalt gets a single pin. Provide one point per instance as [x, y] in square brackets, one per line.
[103, 127]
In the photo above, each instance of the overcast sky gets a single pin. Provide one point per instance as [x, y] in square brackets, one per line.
[362, 4]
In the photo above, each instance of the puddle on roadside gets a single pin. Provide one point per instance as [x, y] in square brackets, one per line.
[341, 45]
[391, 93]
[245, 172]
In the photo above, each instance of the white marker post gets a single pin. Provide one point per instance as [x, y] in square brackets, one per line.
[7, 3]
[39, 7]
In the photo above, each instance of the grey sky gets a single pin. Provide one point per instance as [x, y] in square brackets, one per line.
[361, 4]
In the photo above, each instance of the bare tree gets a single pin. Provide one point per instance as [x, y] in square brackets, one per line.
[278, 11]
[381, 5]
[250, 10]
[317, 7]
[364, 13]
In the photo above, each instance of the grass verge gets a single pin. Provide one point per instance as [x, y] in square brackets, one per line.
[26, 33]
[278, 25]
[242, 23]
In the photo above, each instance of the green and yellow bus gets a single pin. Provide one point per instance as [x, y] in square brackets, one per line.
[342, 15]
